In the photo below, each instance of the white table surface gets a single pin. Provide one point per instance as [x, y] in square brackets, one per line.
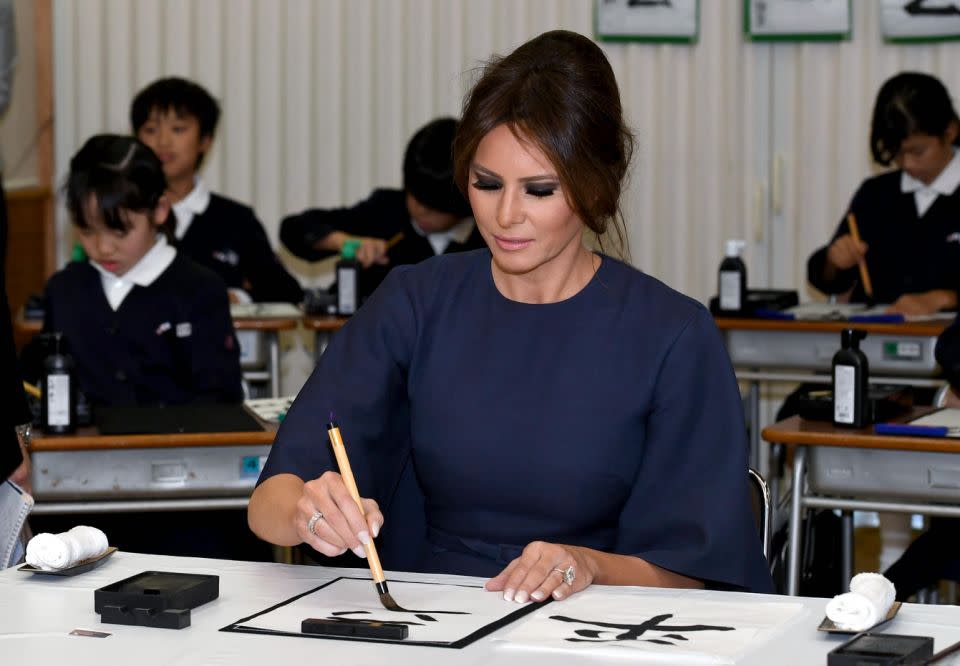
[37, 612]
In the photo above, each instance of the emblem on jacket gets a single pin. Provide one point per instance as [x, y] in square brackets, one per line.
[226, 257]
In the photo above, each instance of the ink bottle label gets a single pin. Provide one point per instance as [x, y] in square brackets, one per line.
[58, 400]
[844, 391]
[347, 289]
[730, 290]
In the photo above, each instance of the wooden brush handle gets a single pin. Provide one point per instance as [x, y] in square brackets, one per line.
[864, 274]
[340, 451]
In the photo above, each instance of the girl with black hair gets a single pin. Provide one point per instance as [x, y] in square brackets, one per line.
[908, 218]
[145, 325]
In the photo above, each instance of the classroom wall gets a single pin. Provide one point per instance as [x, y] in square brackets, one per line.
[320, 97]
[19, 129]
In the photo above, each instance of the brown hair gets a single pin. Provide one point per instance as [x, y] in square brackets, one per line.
[558, 92]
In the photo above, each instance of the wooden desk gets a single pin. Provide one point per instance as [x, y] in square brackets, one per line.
[251, 332]
[324, 327]
[90, 472]
[258, 337]
[807, 435]
[774, 350]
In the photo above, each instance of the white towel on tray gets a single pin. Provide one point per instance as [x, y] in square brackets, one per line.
[866, 604]
[60, 551]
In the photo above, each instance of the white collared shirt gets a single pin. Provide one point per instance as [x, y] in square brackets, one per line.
[143, 273]
[924, 195]
[190, 206]
[439, 241]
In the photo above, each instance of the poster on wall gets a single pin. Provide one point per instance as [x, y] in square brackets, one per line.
[648, 20]
[920, 20]
[797, 20]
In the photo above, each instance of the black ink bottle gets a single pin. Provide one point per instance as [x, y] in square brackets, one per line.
[58, 399]
[348, 276]
[732, 280]
[851, 376]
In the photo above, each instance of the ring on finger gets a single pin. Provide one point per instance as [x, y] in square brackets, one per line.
[312, 523]
[568, 575]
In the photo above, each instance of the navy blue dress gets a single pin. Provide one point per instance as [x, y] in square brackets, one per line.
[610, 420]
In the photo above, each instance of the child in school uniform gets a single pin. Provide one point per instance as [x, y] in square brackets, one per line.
[145, 326]
[177, 119]
[909, 223]
[908, 218]
[429, 215]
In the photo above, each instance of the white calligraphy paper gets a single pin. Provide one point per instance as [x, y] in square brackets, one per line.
[440, 614]
[678, 629]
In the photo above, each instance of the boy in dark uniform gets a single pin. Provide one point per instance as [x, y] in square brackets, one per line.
[177, 119]
[429, 215]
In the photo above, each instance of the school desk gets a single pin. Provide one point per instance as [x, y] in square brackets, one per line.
[853, 476]
[89, 472]
[38, 612]
[324, 326]
[258, 327]
[773, 350]
[257, 334]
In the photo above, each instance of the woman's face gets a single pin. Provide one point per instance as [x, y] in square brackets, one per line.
[115, 250]
[925, 156]
[520, 207]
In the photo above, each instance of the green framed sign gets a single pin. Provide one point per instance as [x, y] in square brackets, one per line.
[676, 21]
[919, 21]
[797, 20]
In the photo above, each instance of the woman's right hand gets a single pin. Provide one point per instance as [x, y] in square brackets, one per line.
[341, 525]
[845, 252]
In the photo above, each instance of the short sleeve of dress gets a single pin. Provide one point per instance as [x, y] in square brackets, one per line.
[360, 381]
[688, 511]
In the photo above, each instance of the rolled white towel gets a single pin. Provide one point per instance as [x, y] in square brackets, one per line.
[866, 604]
[60, 551]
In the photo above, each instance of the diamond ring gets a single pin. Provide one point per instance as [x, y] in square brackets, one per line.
[312, 523]
[568, 575]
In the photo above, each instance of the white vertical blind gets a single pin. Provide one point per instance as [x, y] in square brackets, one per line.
[320, 96]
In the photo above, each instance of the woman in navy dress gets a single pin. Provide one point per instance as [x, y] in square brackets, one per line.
[536, 412]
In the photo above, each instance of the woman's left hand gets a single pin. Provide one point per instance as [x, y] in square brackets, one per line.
[539, 572]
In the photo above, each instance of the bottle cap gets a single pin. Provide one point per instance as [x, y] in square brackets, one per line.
[349, 250]
[735, 247]
[77, 253]
[850, 338]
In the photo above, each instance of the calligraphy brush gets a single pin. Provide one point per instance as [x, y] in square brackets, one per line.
[864, 273]
[379, 579]
[396, 238]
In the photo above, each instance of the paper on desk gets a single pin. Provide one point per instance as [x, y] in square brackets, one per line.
[948, 416]
[843, 311]
[442, 613]
[264, 311]
[661, 629]
[269, 409]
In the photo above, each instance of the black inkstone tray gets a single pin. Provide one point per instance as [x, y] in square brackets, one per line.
[159, 599]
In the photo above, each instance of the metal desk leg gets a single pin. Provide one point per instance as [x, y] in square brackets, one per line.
[753, 408]
[273, 338]
[796, 515]
[846, 568]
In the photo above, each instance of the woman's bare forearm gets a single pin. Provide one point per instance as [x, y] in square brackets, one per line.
[272, 508]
